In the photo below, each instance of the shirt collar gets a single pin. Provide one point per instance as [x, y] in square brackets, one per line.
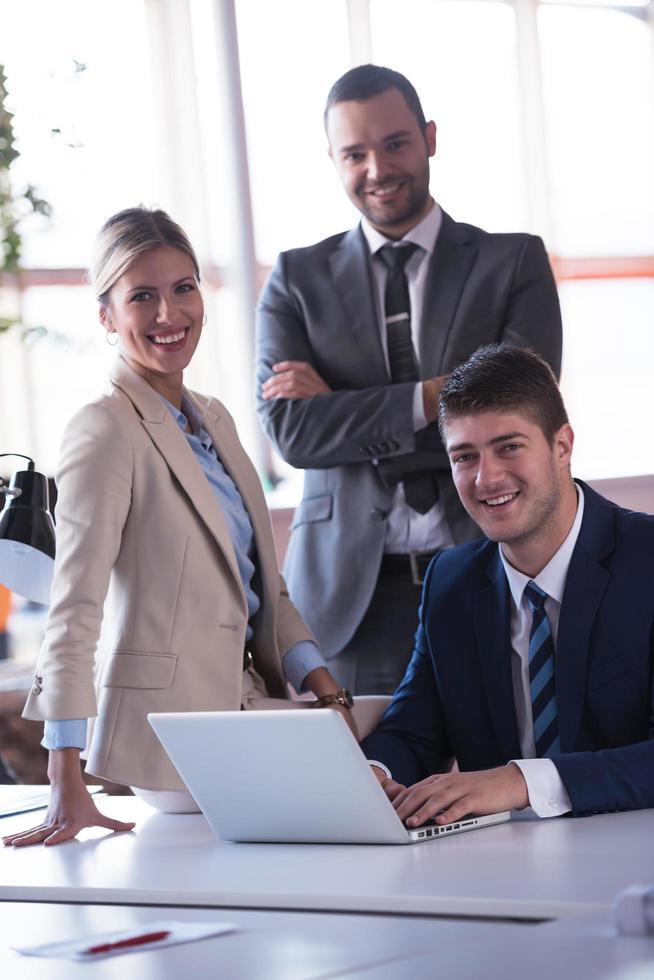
[425, 233]
[188, 416]
[552, 578]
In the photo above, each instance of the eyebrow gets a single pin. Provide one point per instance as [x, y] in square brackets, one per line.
[137, 289]
[385, 139]
[491, 442]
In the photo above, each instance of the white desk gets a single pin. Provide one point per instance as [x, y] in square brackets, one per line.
[268, 945]
[308, 946]
[582, 948]
[527, 869]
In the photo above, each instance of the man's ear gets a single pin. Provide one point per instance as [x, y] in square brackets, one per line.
[563, 443]
[430, 137]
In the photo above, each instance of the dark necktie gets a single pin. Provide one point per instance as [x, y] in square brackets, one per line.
[397, 313]
[420, 489]
[541, 675]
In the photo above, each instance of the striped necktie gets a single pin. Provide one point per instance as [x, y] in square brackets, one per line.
[541, 675]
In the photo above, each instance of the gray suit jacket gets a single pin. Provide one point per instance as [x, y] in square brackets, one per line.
[319, 306]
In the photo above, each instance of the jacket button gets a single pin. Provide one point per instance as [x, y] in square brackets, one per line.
[378, 514]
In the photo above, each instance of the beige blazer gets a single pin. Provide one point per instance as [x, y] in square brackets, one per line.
[137, 518]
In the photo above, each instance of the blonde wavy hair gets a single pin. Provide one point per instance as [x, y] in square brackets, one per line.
[126, 236]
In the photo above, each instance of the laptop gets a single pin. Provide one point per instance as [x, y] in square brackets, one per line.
[288, 777]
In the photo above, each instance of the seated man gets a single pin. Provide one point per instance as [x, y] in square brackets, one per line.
[536, 644]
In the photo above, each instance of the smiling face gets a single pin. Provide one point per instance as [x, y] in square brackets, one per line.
[513, 483]
[156, 309]
[381, 155]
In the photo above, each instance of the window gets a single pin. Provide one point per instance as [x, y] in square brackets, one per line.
[291, 52]
[461, 57]
[91, 91]
[598, 75]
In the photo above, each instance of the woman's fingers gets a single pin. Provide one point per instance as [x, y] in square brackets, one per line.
[120, 826]
[61, 834]
[58, 831]
[34, 836]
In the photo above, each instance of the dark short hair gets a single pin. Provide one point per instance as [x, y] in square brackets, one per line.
[365, 81]
[500, 378]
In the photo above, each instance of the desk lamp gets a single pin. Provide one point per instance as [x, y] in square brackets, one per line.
[27, 539]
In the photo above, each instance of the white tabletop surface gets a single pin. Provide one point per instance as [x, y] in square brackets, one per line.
[266, 946]
[307, 946]
[581, 948]
[523, 869]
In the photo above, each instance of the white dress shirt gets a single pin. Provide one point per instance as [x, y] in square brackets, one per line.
[407, 530]
[547, 794]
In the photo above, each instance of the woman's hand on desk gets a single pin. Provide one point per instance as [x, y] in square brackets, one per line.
[71, 807]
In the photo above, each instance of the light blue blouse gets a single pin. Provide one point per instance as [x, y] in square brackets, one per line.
[300, 659]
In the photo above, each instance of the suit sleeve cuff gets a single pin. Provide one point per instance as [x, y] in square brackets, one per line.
[548, 796]
[299, 660]
[380, 765]
[419, 417]
[68, 734]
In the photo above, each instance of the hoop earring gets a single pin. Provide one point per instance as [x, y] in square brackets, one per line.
[108, 335]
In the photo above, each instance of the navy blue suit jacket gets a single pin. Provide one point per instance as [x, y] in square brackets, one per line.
[456, 698]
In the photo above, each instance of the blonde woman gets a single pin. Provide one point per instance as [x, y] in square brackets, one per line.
[159, 506]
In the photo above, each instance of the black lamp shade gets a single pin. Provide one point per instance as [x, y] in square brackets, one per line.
[27, 538]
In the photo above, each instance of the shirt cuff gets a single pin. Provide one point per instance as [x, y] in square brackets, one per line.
[68, 734]
[548, 796]
[380, 765]
[299, 660]
[419, 417]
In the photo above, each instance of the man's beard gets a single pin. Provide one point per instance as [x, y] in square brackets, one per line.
[418, 195]
[542, 516]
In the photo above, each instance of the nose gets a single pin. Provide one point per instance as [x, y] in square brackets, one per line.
[166, 310]
[490, 471]
[376, 168]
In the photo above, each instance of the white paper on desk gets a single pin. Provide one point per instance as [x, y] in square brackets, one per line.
[180, 932]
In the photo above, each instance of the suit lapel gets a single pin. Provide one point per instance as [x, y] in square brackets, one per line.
[491, 619]
[450, 264]
[585, 585]
[351, 275]
[171, 443]
[240, 469]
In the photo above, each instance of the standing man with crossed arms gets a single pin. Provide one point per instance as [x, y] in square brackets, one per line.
[355, 337]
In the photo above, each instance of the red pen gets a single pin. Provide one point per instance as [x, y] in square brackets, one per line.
[148, 937]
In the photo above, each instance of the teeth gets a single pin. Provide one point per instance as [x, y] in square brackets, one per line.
[496, 501]
[386, 191]
[171, 338]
